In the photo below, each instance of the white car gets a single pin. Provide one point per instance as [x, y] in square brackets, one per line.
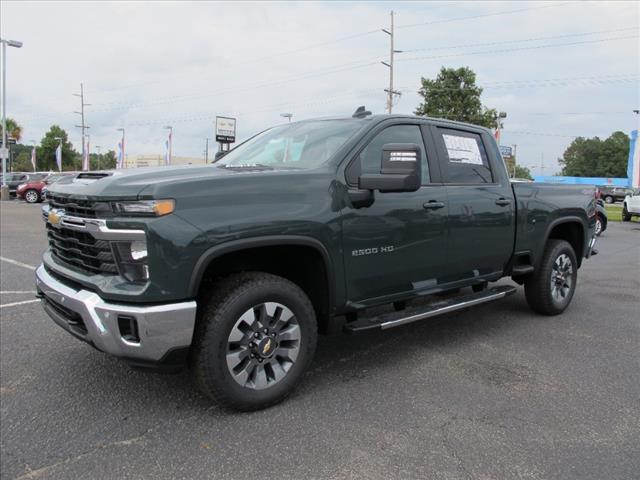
[631, 205]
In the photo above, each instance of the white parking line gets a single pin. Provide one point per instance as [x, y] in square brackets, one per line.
[19, 303]
[15, 262]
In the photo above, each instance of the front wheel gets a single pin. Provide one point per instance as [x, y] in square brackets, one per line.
[255, 338]
[626, 216]
[31, 196]
[551, 287]
[608, 199]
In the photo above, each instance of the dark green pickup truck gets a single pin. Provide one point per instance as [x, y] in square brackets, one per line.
[234, 268]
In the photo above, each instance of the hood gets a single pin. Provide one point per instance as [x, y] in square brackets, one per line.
[128, 184]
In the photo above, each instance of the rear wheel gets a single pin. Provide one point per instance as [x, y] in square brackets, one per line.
[608, 199]
[31, 196]
[598, 229]
[256, 337]
[551, 287]
[626, 216]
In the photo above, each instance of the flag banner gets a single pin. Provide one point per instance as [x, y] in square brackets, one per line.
[633, 167]
[59, 157]
[120, 155]
[168, 148]
[33, 158]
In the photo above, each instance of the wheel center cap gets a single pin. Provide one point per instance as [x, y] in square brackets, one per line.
[266, 347]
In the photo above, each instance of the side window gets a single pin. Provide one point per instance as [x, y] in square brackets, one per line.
[466, 159]
[370, 158]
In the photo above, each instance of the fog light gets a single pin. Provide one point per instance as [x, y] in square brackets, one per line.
[138, 250]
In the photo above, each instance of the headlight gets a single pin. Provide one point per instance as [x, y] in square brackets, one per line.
[132, 260]
[154, 208]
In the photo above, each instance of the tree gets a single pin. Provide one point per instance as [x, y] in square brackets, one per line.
[455, 95]
[13, 129]
[46, 152]
[104, 161]
[592, 157]
[523, 172]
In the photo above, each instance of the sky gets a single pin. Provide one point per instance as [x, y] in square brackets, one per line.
[558, 69]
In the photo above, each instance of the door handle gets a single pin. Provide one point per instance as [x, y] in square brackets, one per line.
[503, 202]
[433, 205]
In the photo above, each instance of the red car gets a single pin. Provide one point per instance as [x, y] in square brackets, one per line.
[31, 191]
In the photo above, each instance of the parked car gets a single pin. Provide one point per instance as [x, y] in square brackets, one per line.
[631, 205]
[16, 179]
[236, 267]
[612, 194]
[601, 217]
[32, 190]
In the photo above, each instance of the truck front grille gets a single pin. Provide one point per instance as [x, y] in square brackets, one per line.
[81, 251]
[80, 208]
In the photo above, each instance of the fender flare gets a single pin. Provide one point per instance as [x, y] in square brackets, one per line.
[560, 221]
[264, 241]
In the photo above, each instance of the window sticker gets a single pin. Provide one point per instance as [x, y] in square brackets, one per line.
[462, 149]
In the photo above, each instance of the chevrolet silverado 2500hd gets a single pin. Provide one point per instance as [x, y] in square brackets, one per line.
[234, 268]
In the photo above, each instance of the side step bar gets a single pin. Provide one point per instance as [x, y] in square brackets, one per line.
[395, 319]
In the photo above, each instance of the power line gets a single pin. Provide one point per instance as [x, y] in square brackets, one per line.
[484, 15]
[517, 49]
[535, 39]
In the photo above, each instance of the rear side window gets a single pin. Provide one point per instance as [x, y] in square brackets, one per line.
[466, 159]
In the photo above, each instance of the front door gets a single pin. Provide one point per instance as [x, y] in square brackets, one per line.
[397, 244]
[481, 204]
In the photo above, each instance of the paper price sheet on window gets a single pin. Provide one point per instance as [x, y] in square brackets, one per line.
[462, 149]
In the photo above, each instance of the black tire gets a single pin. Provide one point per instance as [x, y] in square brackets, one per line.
[608, 199]
[31, 196]
[232, 298]
[543, 296]
[626, 216]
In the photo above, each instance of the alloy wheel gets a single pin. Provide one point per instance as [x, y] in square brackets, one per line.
[561, 278]
[263, 345]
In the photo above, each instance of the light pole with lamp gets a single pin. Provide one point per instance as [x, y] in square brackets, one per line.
[287, 115]
[4, 151]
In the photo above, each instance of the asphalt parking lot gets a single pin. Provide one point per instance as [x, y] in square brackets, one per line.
[495, 392]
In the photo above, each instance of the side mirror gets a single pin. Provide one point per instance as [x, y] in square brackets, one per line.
[400, 170]
[219, 155]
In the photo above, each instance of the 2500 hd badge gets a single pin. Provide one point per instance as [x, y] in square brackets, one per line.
[372, 251]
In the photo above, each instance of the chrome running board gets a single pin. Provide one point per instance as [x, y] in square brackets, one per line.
[395, 319]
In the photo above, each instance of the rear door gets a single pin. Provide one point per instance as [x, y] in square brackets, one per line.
[481, 203]
[398, 244]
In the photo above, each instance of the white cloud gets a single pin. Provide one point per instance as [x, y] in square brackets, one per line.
[145, 65]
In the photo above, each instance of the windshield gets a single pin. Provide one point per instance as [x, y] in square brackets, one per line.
[297, 145]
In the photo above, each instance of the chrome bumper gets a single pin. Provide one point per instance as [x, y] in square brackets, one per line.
[160, 328]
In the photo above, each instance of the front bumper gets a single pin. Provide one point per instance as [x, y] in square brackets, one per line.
[161, 329]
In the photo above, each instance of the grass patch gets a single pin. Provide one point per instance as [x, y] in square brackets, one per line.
[614, 213]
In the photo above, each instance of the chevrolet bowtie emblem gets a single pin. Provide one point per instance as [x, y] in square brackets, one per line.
[267, 347]
[54, 217]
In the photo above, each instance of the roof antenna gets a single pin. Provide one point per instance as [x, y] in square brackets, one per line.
[361, 112]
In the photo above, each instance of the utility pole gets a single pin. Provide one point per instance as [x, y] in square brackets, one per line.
[390, 91]
[81, 113]
[206, 151]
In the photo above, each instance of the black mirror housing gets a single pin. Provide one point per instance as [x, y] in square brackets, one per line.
[400, 170]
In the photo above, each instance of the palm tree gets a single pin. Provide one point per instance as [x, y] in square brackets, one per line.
[13, 129]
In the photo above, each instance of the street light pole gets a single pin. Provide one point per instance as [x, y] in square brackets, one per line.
[287, 115]
[4, 192]
[98, 147]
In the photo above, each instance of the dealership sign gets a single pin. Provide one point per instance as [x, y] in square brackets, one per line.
[225, 130]
[506, 151]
